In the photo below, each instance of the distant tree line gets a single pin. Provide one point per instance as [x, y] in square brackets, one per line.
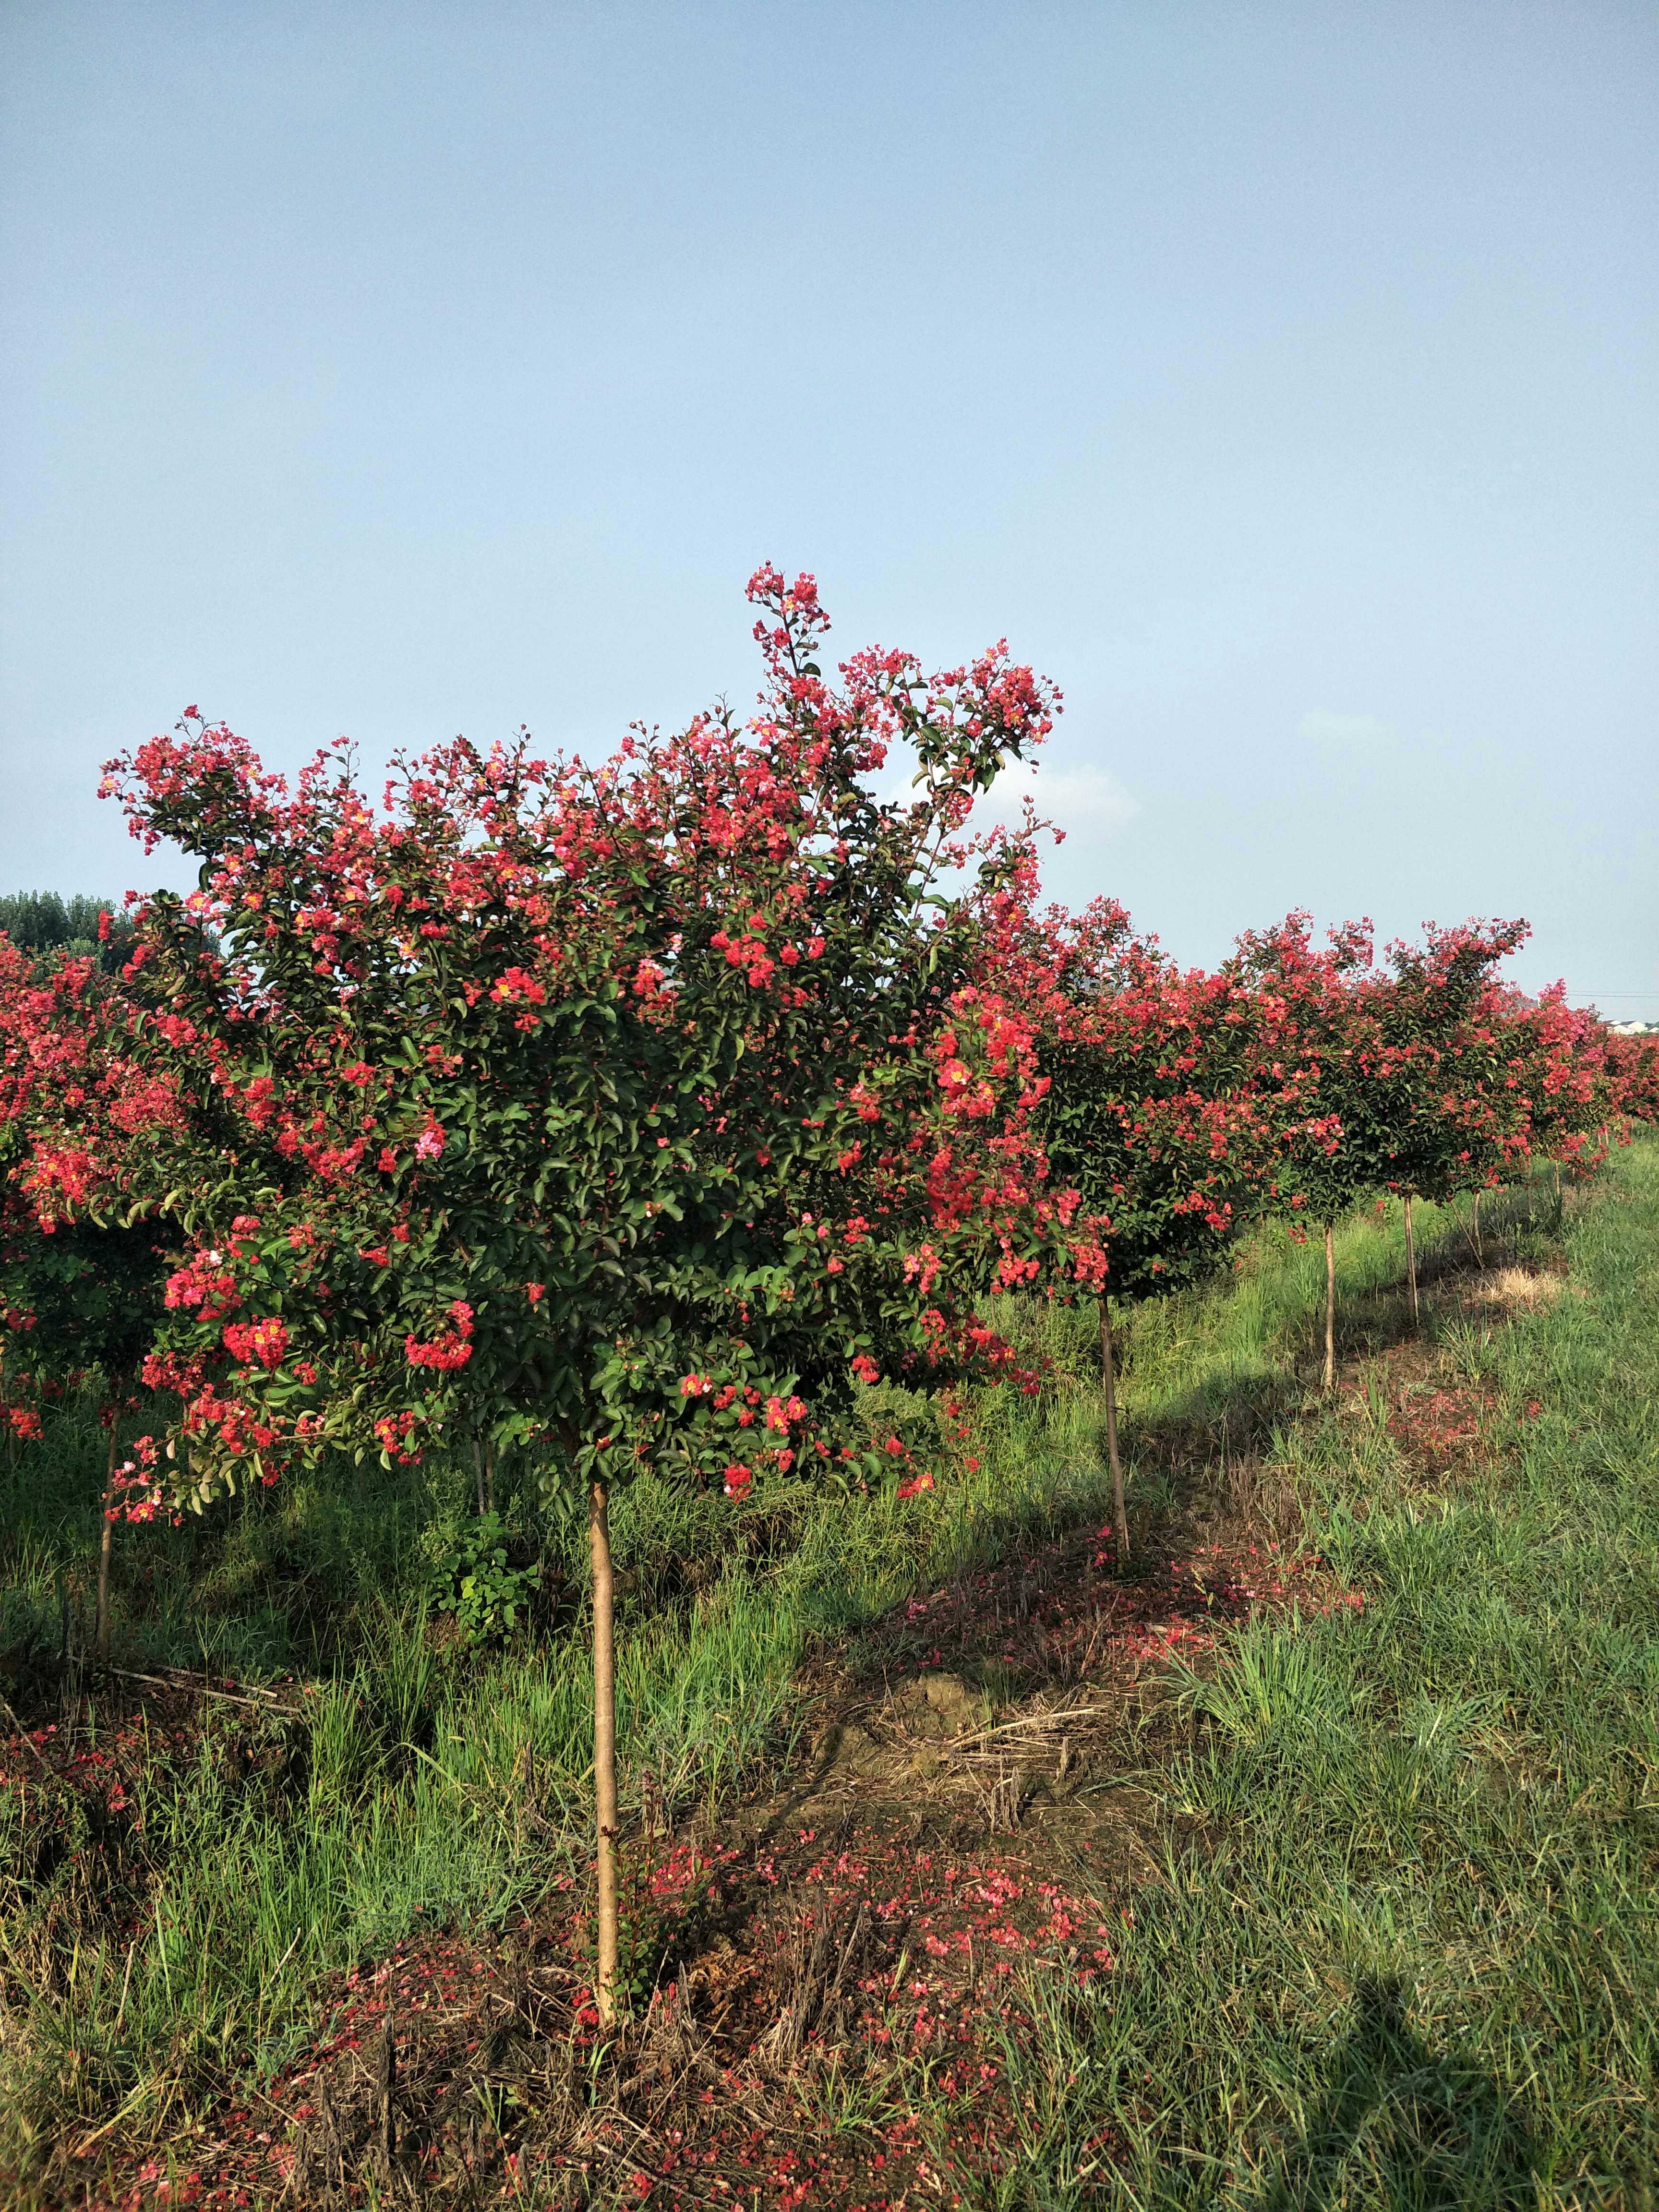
[42, 921]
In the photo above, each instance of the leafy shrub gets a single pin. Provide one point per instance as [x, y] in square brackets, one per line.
[471, 1577]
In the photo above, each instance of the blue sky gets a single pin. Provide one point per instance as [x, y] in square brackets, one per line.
[1282, 381]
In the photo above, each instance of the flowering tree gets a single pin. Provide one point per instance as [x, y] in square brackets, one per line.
[630, 1115]
[1630, 1066]
[81, 1274]
[1307, 1039]
[1150, 1115]
[1451, 1117]
[1431, 1078]
[1553, 1059]
[1488, 1078]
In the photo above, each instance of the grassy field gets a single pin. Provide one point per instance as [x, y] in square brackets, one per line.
[1417, 1960]
[1394, 1939]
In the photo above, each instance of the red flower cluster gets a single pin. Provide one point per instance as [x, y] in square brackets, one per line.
[450, 1351]
[262, 1342]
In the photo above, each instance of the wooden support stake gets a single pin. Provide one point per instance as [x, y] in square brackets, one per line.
[1109, 1386]
[605, 1753]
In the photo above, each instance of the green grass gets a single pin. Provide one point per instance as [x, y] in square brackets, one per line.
[433, 1792]
[1396, 1803]
[1413, 1959]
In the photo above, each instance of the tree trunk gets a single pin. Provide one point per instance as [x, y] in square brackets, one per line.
[1474, 1228]
[1411, 1259]
[106, 1534]
[1330, 1305]
[69, 1673]
[605, 1751]
[386, 2097]
[478, 1475]
[1109, 1385]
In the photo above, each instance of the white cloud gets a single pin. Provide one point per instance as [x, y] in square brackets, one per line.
[1082, 801]
[1320, 726]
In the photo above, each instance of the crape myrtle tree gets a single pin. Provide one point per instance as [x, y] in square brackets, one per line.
[1630, 1076]
[1551, 1063]
[628, 1117]
[1307, 1032]
[1149, 1112]
[1451, 1113]
[1425, 1078]
[82, 1265]
[1492, 1077]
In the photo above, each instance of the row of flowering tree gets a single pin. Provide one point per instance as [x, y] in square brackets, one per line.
[1150, 1114]
[1293, 1081]
[637, 1116]
[1425, 1078]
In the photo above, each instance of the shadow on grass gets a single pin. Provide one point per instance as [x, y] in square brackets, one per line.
[1399, 2126]
[1213, 1375]
[1191, 1438]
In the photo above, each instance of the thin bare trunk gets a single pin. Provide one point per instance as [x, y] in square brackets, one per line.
[605, 1750]
[1330, 1306]
[1109, 1385]
[1411, 1259]
[106, 1534]
[69, 1673]
[1474, 1231]
[489, 1478]
[478, 1474]
[387, 2097]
